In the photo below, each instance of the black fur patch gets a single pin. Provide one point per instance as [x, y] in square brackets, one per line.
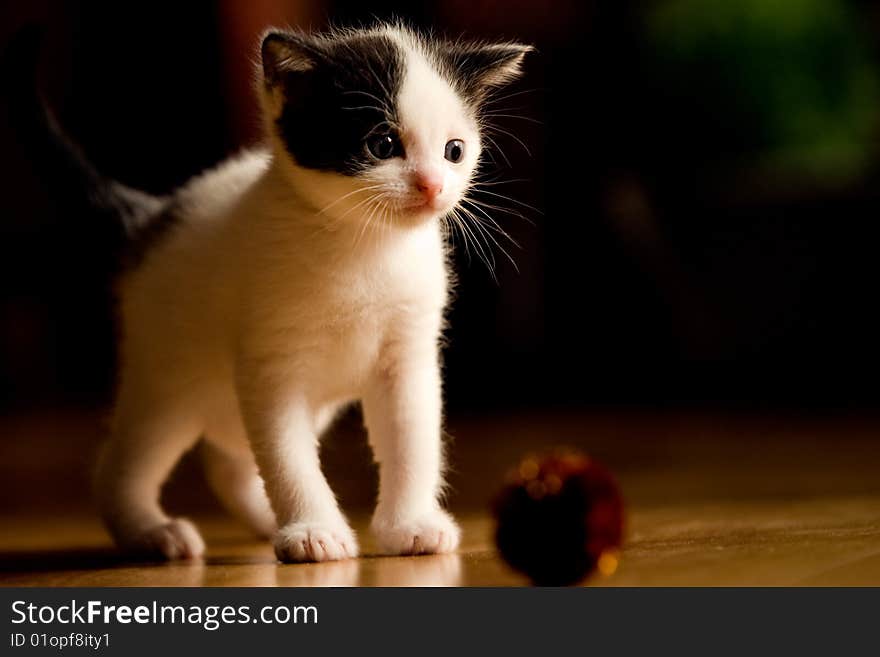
[346, 88]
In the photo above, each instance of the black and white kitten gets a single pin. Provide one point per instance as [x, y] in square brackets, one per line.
[297, 279]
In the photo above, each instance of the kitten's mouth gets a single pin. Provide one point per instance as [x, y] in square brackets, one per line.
[421, 206]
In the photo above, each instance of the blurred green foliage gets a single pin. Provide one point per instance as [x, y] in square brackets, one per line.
[795, 80]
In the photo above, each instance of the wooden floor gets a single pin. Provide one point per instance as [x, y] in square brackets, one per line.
[711, 500]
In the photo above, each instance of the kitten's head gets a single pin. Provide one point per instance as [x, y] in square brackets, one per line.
[379, 124]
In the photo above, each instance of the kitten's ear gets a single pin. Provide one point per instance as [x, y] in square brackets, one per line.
[480, 67]
[283, 53]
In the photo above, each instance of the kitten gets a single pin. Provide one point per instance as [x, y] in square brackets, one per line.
[291, 281]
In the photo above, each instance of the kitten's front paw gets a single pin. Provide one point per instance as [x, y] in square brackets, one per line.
[315, 541]
[432, 533]
[175, 539]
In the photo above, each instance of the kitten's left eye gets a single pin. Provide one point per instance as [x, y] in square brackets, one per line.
[454, 150]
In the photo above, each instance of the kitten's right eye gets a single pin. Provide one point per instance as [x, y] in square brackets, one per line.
[384, 145]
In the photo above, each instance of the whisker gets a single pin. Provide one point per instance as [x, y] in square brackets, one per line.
[345, 196]
[499, 208]
[512, 200]
[495, 128]
[364, 107]
[493, 225]
[356, 206]
[514, 116]
[381, 102]
[484, 229]
[456, 221]
[367, 222]
[386, 220]
[497, 148]
[492, 183]
[471, 238]
[485, 254]
[498, 99]
[338, 220]
[363, 93]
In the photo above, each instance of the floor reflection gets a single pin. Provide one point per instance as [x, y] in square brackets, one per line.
[185, 573]
[427, 570]
[330, 573]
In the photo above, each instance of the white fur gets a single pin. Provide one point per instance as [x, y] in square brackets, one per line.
[285, 295]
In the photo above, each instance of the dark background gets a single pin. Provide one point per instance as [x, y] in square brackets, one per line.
[705, 177]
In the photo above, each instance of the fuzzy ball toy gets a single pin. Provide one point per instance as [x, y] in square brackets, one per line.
[559, 519]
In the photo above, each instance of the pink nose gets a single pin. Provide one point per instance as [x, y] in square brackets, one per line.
[430, 185]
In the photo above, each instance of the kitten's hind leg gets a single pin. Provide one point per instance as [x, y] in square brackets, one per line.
[235, 481]
[145, 446]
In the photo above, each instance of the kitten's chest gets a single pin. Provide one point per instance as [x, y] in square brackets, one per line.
[411, 277]
[356, 319]
[364, 312]
[356, 304]
[329, 321]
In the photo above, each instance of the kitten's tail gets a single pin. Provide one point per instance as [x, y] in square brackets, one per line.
[73, 181]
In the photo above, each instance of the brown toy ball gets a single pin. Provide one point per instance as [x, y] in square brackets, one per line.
[560, 518]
